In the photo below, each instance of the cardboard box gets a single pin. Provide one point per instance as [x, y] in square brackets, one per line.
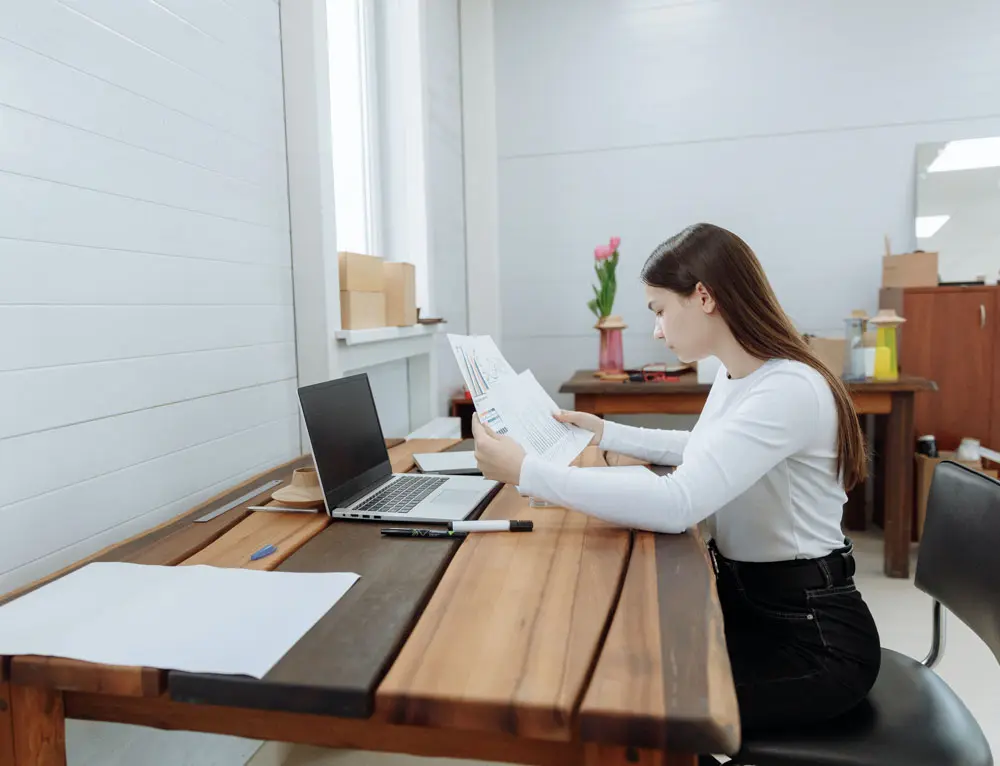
[910, 270]
[925, 474]
[361, 310]
[400, 294]
[830, 351]
[361, 273]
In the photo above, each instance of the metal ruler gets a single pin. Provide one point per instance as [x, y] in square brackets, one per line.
[239, 501]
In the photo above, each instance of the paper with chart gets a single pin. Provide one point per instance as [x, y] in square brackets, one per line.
[514, 404]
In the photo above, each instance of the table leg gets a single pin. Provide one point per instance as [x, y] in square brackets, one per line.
[39, 726]
[6, 727]
[898, 484]
[607, 755]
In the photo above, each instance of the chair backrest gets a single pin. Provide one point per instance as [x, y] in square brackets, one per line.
[959, 559]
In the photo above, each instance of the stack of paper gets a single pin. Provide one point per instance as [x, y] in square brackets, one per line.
[515, 404]
[200, 619]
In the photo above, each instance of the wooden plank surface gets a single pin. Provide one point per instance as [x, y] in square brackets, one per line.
[286, 531]
[323, 730]
[663, 678]
[401, 456]
[584, 382]
[6, 726]
[508, 640]
[73, 675]
[39, 726]
[336, 667]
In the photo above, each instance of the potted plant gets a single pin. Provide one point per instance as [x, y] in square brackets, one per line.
[611, 357]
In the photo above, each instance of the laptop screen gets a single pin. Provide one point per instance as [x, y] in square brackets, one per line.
[346, 437]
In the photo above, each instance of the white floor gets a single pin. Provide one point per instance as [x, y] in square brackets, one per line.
[904, 618]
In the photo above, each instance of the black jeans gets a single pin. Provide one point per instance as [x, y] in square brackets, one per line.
[803, 645]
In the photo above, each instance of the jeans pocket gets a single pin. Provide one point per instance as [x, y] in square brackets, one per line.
[774, 609]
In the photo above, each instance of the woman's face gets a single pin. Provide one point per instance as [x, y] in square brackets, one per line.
[685, 324]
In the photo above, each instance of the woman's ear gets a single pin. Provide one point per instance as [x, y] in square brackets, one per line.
[705, 298]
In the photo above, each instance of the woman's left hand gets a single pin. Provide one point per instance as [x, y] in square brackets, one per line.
[499, 457]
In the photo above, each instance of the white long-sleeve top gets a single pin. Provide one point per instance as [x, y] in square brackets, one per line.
[761, 461]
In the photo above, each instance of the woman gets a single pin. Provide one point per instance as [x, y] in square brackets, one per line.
[768, 462]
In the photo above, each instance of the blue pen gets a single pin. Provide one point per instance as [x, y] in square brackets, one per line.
[267, 550]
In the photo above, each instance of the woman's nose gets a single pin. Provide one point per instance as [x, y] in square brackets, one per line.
[658, 331]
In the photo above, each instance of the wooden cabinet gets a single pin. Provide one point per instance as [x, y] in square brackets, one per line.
[950, 336]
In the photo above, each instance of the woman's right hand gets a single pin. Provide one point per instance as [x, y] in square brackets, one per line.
[584, 420]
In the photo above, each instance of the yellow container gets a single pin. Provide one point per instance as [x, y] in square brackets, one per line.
[886, 344]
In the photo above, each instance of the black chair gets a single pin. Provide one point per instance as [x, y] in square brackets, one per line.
[911, 717]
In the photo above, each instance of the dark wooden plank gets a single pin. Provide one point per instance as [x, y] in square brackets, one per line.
[6, 727]
[663, 679]
[508, 640]
[898, 484]
[323, 731]
[39, 726]
[335, 668]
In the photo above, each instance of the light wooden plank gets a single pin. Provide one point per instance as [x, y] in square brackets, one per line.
[115, 498]
[401, 456]
[40, 273]
[286, 531]
[114, 388]
[663, 677]
[80, 158]
[135, 438]
[50, 336]
[76, 98]
[44, 211]
[508, 640]
[55, 30]
[73, 675]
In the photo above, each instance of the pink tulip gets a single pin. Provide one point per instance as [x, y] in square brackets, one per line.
[602, 252]
[615, 241]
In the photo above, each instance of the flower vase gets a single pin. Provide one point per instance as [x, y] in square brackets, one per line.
[611, 357]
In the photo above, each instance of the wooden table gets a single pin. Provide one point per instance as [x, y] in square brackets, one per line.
[578, 643]
[687, 397]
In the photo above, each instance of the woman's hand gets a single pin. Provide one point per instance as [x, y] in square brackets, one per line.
[499, 457]
[584, 420]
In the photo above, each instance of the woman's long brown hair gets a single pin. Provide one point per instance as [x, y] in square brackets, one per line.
[726, 266]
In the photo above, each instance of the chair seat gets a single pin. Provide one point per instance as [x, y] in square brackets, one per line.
[911, 718]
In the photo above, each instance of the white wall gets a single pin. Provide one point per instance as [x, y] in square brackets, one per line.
[147, 358]
[793, 124]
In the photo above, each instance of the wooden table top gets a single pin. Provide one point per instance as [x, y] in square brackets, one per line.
[584, 382]
[577, 631]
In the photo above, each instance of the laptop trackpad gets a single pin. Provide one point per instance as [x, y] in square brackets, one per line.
[460, 497]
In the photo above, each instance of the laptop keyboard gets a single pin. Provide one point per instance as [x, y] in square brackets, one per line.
[401, 495]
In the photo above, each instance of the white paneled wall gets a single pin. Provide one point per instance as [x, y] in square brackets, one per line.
[793, 124]
[445, 187]
[147, 339]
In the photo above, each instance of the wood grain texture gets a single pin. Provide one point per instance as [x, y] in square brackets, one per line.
[898, 486]
[336, 667]
[73, 675]
[663, 679]
[286, 531]
[509, 638]
[6, 727]
[39, 726]
[390, 443]
[401, 456]
[323, 731]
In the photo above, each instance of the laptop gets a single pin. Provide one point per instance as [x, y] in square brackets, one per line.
[353, 465]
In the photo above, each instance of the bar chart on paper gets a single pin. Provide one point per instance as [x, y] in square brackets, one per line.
[515, 404]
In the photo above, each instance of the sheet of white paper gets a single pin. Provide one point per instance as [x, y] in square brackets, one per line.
[200, 619]
[446, 461]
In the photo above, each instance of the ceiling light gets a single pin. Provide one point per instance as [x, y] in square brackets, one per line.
[967, 154]
[928, 225]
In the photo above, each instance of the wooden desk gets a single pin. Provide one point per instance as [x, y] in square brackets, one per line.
[579, 643]
[687, 397]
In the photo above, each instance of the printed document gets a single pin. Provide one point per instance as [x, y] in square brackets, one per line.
[201, 619]
[514, 404]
